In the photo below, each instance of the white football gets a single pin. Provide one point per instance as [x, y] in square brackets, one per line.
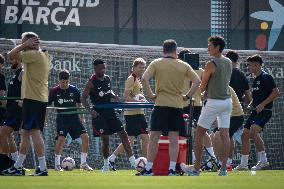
[140, 97]
[68, 164]
[140, 163]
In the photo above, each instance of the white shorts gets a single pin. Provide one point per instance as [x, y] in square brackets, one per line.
[215, 108]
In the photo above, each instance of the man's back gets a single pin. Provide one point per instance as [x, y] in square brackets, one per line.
[35, 77]
[218, 85]
[170, 75]
[197, 95]
[239, 83]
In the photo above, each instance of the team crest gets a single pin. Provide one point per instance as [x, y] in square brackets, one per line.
[101, 93]
[60, 101]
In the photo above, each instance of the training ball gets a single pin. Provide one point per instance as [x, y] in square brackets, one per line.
[140, 97]
[68, 164]
[253, 173]
[140, 163]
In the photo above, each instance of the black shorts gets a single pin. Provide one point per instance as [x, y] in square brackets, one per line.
[33, 114]
[72, 126]
[236, 122]
[259, 119]
[14, 119]
[136, 124]
[182, 130]
[2, 115]
[167, 119]
[196, 112]
[106, 125]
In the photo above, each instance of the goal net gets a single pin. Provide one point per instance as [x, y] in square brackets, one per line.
[77, 58]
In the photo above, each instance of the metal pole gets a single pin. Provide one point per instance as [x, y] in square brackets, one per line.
[19, 26]
[246, 15]
[116, 21]
[0, 21]
[134, 22]
[228, 32]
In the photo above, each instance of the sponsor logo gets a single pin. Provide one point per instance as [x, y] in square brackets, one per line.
[36, 12]
[61, 101]
[70, 65]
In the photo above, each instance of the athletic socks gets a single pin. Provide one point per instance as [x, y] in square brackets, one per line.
[20, 161]
[244, 160]
[229, 161]
[57, 159]
[211, 151]
[83, 158]
[132, 161]
[172, 165]
[15, 156]
[42, 163]
[193, 157]
[149, 166]
[112, 157]
[106, 162]
[262, 157]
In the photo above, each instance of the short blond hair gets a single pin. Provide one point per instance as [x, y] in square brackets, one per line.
[28, 35]
[138, 61]
[2, 59]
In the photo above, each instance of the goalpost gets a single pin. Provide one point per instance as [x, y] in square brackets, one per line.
[77, 58]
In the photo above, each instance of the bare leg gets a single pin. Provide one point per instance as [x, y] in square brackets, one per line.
[24, 148]
[232, 148]
[7, 144]
[245, 142]
[199, 135]
[225, 146]
[59, 145]
[38, 142]
[25, 142]
[259, 144]
[126, 144]
[153, 145]
[207, 140]
[173, 146]
[85, 142]
[217, 143]
[120, 148]
[145, 142]
[105, 146]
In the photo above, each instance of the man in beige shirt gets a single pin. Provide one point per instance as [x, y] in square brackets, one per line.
[35, 97]
[170, 74]
[135, 121]
[215, 84]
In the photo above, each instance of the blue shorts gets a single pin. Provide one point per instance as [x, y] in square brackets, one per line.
[259, 119]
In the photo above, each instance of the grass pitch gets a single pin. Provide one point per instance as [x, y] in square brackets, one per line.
[125, 179]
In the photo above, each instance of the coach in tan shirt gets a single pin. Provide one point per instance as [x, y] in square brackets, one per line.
[35, 97]
[170, 74]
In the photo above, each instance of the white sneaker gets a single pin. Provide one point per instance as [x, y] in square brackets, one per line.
[105, 169]
[132, 165]
[189, 170]
[57, 168]
[260, 166]
[241, 167]
[86, 167]
[132, 161]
